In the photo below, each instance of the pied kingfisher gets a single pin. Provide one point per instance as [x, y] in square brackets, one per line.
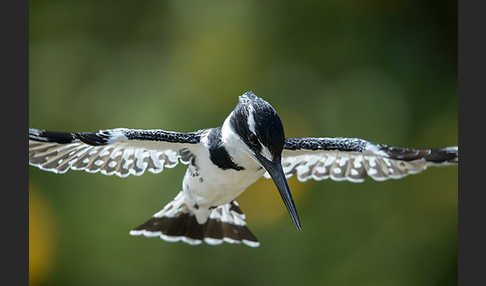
[222, 163]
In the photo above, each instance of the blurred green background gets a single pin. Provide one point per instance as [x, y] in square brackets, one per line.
[380, 70]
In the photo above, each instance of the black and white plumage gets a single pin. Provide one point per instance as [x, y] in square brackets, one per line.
[222, 163]
[117, 151]
[355, 159]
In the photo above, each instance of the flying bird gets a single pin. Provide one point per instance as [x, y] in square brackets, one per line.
[223, 162]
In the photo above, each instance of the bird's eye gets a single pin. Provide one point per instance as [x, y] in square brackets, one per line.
[253, 139]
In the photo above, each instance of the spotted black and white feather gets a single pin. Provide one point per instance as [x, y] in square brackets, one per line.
[175, 222]
[355, 159]
[115, 151]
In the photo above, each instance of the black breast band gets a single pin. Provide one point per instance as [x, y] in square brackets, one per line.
[218, 154]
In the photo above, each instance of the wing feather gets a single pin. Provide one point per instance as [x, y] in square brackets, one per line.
[354, 159]
[120, 152]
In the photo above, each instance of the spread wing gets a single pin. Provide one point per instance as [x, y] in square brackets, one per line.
[355, 159]
[118, 151]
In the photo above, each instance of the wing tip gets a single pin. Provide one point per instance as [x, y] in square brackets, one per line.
[447, 155]
[42, 135]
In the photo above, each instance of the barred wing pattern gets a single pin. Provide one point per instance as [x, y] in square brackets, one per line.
[354, 159]
[116, 151]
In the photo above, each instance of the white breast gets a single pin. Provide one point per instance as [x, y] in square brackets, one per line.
[206, 185]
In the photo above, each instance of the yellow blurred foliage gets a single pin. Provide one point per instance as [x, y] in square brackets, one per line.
[41, 238]
[262, 203]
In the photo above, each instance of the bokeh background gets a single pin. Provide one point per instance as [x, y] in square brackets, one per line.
[381, 70]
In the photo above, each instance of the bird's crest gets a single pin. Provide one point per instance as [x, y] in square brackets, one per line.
[247, 97]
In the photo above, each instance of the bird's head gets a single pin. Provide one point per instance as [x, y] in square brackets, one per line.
[255, 123]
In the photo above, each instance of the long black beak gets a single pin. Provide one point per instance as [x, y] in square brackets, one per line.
[274, 168]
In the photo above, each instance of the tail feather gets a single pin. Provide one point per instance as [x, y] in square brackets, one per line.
[226, 223]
